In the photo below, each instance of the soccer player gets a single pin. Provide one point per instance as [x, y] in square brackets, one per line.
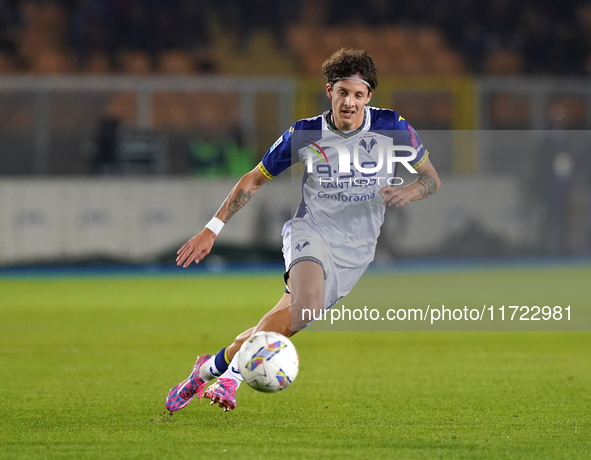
[331, 240]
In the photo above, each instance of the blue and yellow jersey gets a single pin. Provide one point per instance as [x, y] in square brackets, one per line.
[344, 173]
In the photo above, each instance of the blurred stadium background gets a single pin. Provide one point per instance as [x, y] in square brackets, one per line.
[126, 122]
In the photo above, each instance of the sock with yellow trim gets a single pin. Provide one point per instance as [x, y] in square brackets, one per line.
[215, 366]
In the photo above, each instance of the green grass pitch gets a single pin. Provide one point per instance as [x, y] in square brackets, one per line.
[86, 364]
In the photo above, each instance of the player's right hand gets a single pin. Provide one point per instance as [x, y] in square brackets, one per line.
[196, 248]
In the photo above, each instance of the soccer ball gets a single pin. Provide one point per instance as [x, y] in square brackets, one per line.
[268, 362]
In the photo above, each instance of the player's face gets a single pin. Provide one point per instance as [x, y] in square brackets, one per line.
[348, 98]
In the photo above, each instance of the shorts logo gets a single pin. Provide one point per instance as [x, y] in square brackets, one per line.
[299, 247]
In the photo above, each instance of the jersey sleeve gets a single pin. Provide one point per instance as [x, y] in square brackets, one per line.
[406, 135]
[279, 157]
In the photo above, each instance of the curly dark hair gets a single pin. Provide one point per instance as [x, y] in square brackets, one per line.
[347, 62]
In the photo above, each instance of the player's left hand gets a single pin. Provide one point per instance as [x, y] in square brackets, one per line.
[396, 196]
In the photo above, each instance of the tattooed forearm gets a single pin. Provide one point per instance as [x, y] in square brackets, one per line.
[235, 204]
[427, 185]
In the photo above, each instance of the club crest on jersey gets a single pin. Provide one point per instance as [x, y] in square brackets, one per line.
[363, 144]
[265, 353]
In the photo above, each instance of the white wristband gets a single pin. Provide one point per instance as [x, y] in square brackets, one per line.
[215, 225]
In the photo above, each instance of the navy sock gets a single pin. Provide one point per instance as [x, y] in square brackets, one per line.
[220, 361]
